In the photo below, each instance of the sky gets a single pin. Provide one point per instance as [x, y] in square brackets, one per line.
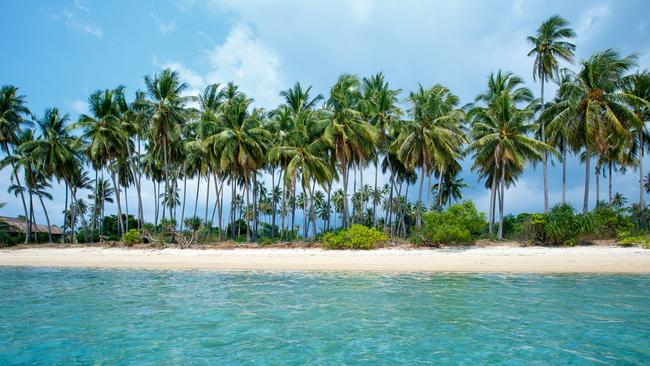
[58, 52]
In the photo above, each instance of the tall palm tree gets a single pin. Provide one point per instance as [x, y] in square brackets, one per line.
[56, 152]
[168, 113]
[380, 104]
[13, 110]
[638, 85]
[550, 46]
[501, 142]
[240, 144]
[434, 137]
[594, 108]
[346, 133]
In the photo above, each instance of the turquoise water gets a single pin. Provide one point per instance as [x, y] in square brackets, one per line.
[71, 316]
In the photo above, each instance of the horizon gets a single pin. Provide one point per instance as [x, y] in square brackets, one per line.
[94, 45]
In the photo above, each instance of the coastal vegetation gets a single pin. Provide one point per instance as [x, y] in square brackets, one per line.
[300, 171]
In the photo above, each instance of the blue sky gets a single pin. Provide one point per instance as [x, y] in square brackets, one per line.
[58, 52]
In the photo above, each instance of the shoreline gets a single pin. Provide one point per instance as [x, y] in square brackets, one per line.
[498, 259]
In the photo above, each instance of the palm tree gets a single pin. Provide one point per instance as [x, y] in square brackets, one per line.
[380, 104]
[434, 137]
[594, 108]
[56, 152]
[13, 109]
[346, 132]
[168, 113]
[450, 189]
[550, 46]
[105, 138]
[638, 85]
[240, 143]
[501, 141]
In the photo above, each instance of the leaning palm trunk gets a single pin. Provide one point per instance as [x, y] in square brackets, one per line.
[32, 220]
[184, 196]
[585, 203]
[47, 219]
[207, 199]
[388, 219]
[28, 226]
[312, 213]
[196, 199]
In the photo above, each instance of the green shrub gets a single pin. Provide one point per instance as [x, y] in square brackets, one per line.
[132, 237]
[356, 237]
[562, 225]
[632, 241]
[459, 224]
[607, 222]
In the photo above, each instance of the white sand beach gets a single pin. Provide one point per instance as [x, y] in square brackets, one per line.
[471, 259]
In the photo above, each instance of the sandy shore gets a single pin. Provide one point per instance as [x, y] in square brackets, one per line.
[493, 259]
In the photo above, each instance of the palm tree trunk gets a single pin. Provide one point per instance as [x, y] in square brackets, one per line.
[501, 199]
[166, 162]
[126, 207]
[138, 188]
[597, 172]
[220, 217]
[233, 207]
[429, 192]
[28, 230]
[156, 193]
[388, 220]
[329, 199]
[32, 220]
[94, 216]
[184, 196]
[284, 206]
[273, 201]
[255, 218]
[545, 156]
[120, 226]
[564, 156]
[642, 223]
[609, 184]
[207, 198]
[65, 211]
[493, 191]
[312, 213]
[248, 229]
[305, 213]
[196, 199]
[374, 202]
[47, 219]
[293, 207]
[419, 212]
[585, 203]
[440, 183]
[344, 170]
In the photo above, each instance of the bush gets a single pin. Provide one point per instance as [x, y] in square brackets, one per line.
[632, 241]
[459, 224]
[607, 222]
[562, 225]
[132, 237]
[356, 237]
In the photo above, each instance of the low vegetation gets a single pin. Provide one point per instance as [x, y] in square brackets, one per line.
[356, 237]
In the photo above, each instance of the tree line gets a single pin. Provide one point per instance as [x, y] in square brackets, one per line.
[311, 144]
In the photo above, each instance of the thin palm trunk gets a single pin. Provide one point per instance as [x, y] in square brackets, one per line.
[65, 211]
[597, 171]
[493, 191]
[220, 217]
[184, 196]
[609, 184]
[545, 156]
[233, 208]
[429, 192]
[156, 186]
[284, 206]
[28, 226]
[126, 208]
[196, 199]
[255, 193]
[32, 220]
[47, 219]
[312, 213]
[585, 203]
[344, 170]
[440, 183]
[248, 231]
[419, 212]
[138, 188]
[207, 199]
[293, 207]
[329, 199]
[564, 156]
[388, 220]
[642, 222]
[501, 199]
[94, 216]
[273, 201]
[166, 162]
[374, 201]
[120, 224]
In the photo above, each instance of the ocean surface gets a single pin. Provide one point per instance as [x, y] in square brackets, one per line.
[138, 317]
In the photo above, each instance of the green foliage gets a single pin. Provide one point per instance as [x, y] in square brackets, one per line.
[562, 225]
[132, 237]
[608, 222]
[459, 224]
[356, 237]
[642, 241]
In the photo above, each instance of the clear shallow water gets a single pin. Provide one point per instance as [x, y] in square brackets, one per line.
[71, 316]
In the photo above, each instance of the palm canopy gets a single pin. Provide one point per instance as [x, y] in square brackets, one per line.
[13, 110]
[550, 46]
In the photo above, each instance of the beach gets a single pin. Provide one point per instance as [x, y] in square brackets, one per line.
[506, 259]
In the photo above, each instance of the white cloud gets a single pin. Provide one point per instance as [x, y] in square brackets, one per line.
[76, 19]
[79, 106]
[243, 59]
[164, 27]
[589, 19]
